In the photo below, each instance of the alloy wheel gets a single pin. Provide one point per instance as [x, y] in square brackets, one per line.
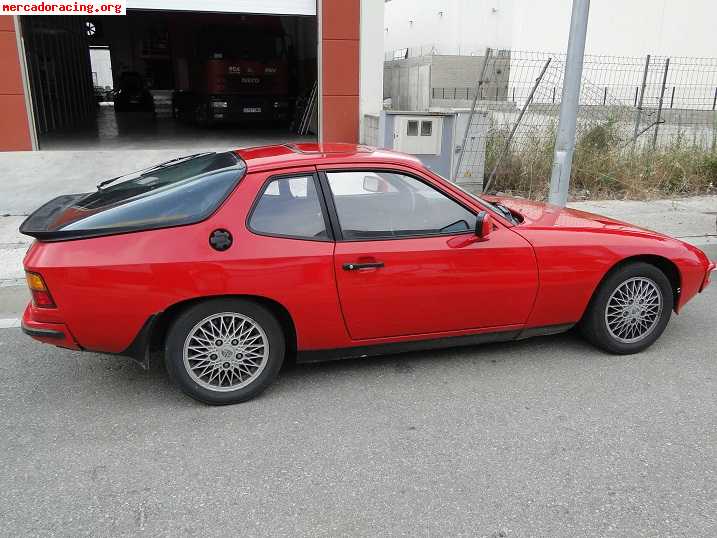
[225, 352]
[633, 310]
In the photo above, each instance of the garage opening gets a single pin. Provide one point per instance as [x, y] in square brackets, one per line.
[172, 80]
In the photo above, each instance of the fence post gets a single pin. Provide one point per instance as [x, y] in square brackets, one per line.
[659, 105]
[553, 94]
[672, 99]
[514, 94]
[714, 101]
[637, 90]
[639, 104]
[604, 96]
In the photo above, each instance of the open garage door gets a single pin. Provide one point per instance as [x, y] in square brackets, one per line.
[197, 76]
[268, 7]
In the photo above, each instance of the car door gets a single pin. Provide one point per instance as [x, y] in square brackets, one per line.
[408, 261]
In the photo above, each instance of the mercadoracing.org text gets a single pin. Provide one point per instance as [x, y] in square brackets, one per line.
[35, 7]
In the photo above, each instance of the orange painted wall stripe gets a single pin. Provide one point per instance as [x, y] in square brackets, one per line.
[14, 125]
[340, 21]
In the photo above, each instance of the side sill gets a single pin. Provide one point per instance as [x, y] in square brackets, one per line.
[321, 355]
[404, 347]
[545, 331]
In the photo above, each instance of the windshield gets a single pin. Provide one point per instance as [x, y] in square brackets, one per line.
[474, 196]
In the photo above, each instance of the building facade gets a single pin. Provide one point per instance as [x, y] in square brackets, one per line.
[467, 27]
[336, 45]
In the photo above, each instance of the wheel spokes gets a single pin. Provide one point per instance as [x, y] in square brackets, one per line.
[633, 310]
[225, 351]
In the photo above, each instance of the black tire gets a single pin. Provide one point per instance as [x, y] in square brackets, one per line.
[185, 323]
[594, 326]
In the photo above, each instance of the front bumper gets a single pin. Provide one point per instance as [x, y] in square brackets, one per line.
[49, 333]
[710, 270]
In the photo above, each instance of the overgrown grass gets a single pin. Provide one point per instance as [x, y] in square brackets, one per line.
[604, 166]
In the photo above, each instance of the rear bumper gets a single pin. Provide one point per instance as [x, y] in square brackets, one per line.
[49, 333]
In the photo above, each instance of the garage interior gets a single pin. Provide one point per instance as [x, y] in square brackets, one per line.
[171, 80]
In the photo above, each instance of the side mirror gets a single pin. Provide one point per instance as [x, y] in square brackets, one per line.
[484, 224]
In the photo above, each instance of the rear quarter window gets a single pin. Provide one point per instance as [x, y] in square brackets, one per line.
[171, 194]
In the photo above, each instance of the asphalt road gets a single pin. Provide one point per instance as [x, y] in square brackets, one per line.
[545, 437]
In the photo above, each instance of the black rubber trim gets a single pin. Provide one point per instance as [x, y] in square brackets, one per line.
[405, 347]
[330, 206]
[424, 345]
[139, 350]
[42, 333]
[545, 331]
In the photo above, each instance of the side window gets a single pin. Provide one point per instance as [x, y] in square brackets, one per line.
[387, 204]
[289, 207]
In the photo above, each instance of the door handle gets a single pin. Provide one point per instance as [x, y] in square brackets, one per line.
[357, 266]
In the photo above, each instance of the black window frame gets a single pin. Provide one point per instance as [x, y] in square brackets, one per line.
[331, 237]
[334, 216]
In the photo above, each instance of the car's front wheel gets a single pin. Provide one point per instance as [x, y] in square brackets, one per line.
[224, 351]
[630, 309]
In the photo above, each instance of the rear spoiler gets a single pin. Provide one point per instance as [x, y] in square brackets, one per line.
[42, 224]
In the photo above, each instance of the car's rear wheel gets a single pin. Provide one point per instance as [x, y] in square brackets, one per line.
[630, 309]
[224, 351]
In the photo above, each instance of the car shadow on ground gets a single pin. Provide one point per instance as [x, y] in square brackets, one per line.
[120, 377]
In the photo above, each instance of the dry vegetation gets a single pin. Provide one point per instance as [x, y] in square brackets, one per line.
[604, 166]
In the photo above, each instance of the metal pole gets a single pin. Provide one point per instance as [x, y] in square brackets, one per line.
[479, 88]
[659, 105]
[515, 126]
[639, 103]
[567, 124]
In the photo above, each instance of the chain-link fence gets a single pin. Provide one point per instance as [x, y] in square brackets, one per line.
[645, 125]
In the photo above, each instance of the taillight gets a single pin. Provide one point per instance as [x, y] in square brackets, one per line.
[40, 294]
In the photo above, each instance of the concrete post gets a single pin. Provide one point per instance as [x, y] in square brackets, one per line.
[565, 140]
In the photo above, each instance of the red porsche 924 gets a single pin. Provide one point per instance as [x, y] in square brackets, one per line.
[229, 262]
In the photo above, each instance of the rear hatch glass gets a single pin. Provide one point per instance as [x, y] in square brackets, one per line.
[173, 193]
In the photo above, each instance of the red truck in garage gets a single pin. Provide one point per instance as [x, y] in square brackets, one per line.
[240, 73]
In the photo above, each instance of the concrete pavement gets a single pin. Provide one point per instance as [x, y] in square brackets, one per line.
[544, 437]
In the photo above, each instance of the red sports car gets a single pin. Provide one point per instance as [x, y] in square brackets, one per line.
[229, 262]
